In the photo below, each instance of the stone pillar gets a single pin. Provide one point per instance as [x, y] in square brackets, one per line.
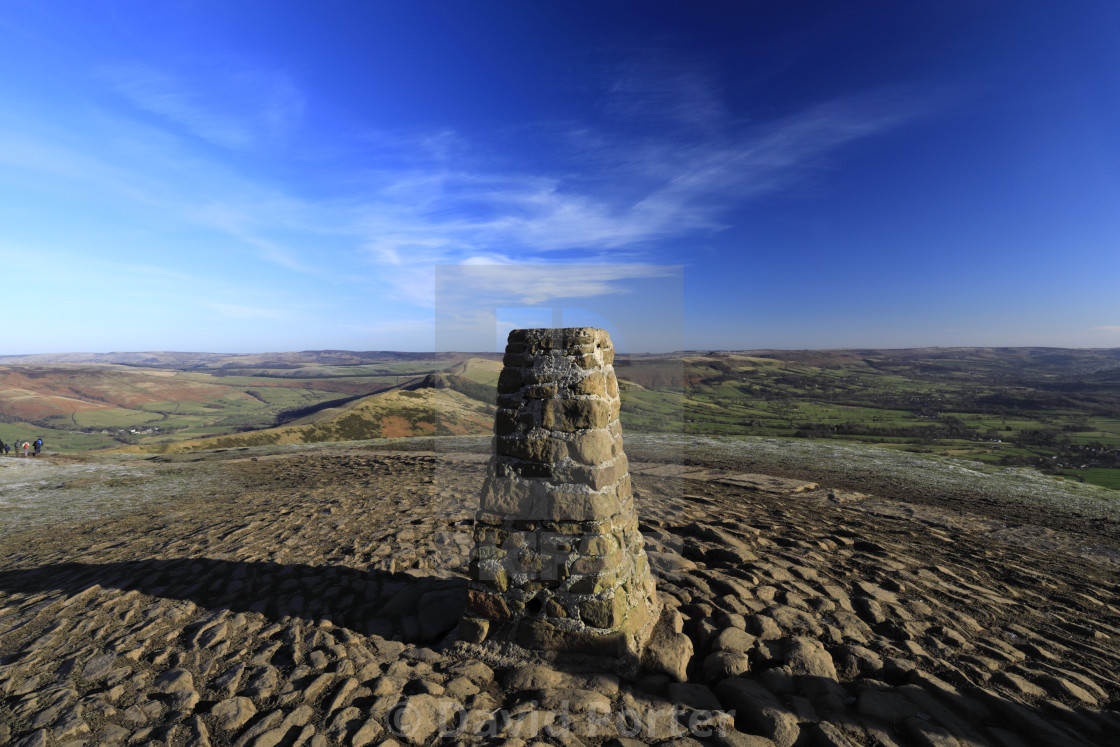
[559, 563]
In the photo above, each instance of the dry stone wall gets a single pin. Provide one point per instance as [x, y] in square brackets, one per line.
[559, 563]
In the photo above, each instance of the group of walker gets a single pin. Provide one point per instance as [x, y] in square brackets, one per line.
[37, 445]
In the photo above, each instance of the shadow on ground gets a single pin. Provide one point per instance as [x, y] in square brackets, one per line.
[403, 606]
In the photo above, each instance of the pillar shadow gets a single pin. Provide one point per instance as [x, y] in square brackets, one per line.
[403, 606]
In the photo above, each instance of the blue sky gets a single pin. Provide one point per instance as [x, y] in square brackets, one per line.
[252, 176]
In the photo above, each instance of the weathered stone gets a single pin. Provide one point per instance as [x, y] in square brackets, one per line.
[759, 710]
[543, 635]
[233, 713]
[603, 613]
[473, 629]
[808, 656]
[366, 733]
[420, 717]
[509, 380]
[669, 651]
[559, 471]
[733, 639]
[173, 680]
[720, 665]
[592, 448]
[593, 384]
[537, 448]
[571, 415]
[532, 677]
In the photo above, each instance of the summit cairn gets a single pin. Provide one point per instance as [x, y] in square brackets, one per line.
[559, 564]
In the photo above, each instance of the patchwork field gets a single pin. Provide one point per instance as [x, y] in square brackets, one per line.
[77, 403]
[1053, 410]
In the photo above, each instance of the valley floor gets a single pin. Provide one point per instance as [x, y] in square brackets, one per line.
[271, 596]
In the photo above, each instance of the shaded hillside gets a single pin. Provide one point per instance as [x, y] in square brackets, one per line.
[40, 392]
[95, 405]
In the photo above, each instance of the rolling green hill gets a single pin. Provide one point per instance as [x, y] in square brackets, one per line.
[1052, 409]
[399, 413]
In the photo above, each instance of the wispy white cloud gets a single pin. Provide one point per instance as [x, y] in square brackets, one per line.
[234, 108]
[651, 192]
[603, 197]
[670, 91]
[506, 284]
[1113, 329]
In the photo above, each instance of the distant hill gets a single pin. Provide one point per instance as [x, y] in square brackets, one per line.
[1054, 409]
[187, 360]
[413, 410]
[80, 401]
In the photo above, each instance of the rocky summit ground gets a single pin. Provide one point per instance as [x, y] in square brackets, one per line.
[310, 597]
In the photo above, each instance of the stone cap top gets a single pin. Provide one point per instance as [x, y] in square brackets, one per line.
[561, 336]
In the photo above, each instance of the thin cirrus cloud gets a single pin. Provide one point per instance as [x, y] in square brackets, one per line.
[683, 190]
[444, 204]
[234, 110]
[529, 284]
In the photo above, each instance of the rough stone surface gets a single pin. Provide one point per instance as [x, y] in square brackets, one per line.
[321, 570]
[559, 564]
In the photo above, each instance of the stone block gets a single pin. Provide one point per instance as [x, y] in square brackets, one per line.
[487, 605]
[509, 380]
[578, 506]
[488, 518]
[594, 564]
[598, 545]
[596, 583]
[473, 629]
[597, 477]
[593, 384]
[543, 635]
[553, 608]
[592, 447]
[538, 448]
[612, 385]
[508, 497]
[505, 422]
[608, 612]
[489, 573]
[570, 415]
[510, 401]
[532, 470]
[542, 391]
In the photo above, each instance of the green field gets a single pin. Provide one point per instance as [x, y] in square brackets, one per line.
[92, 406]
[1024, 407]
[1108, 478]
[1055, 410]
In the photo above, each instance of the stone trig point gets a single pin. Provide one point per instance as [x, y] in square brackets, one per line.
[559, 563]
